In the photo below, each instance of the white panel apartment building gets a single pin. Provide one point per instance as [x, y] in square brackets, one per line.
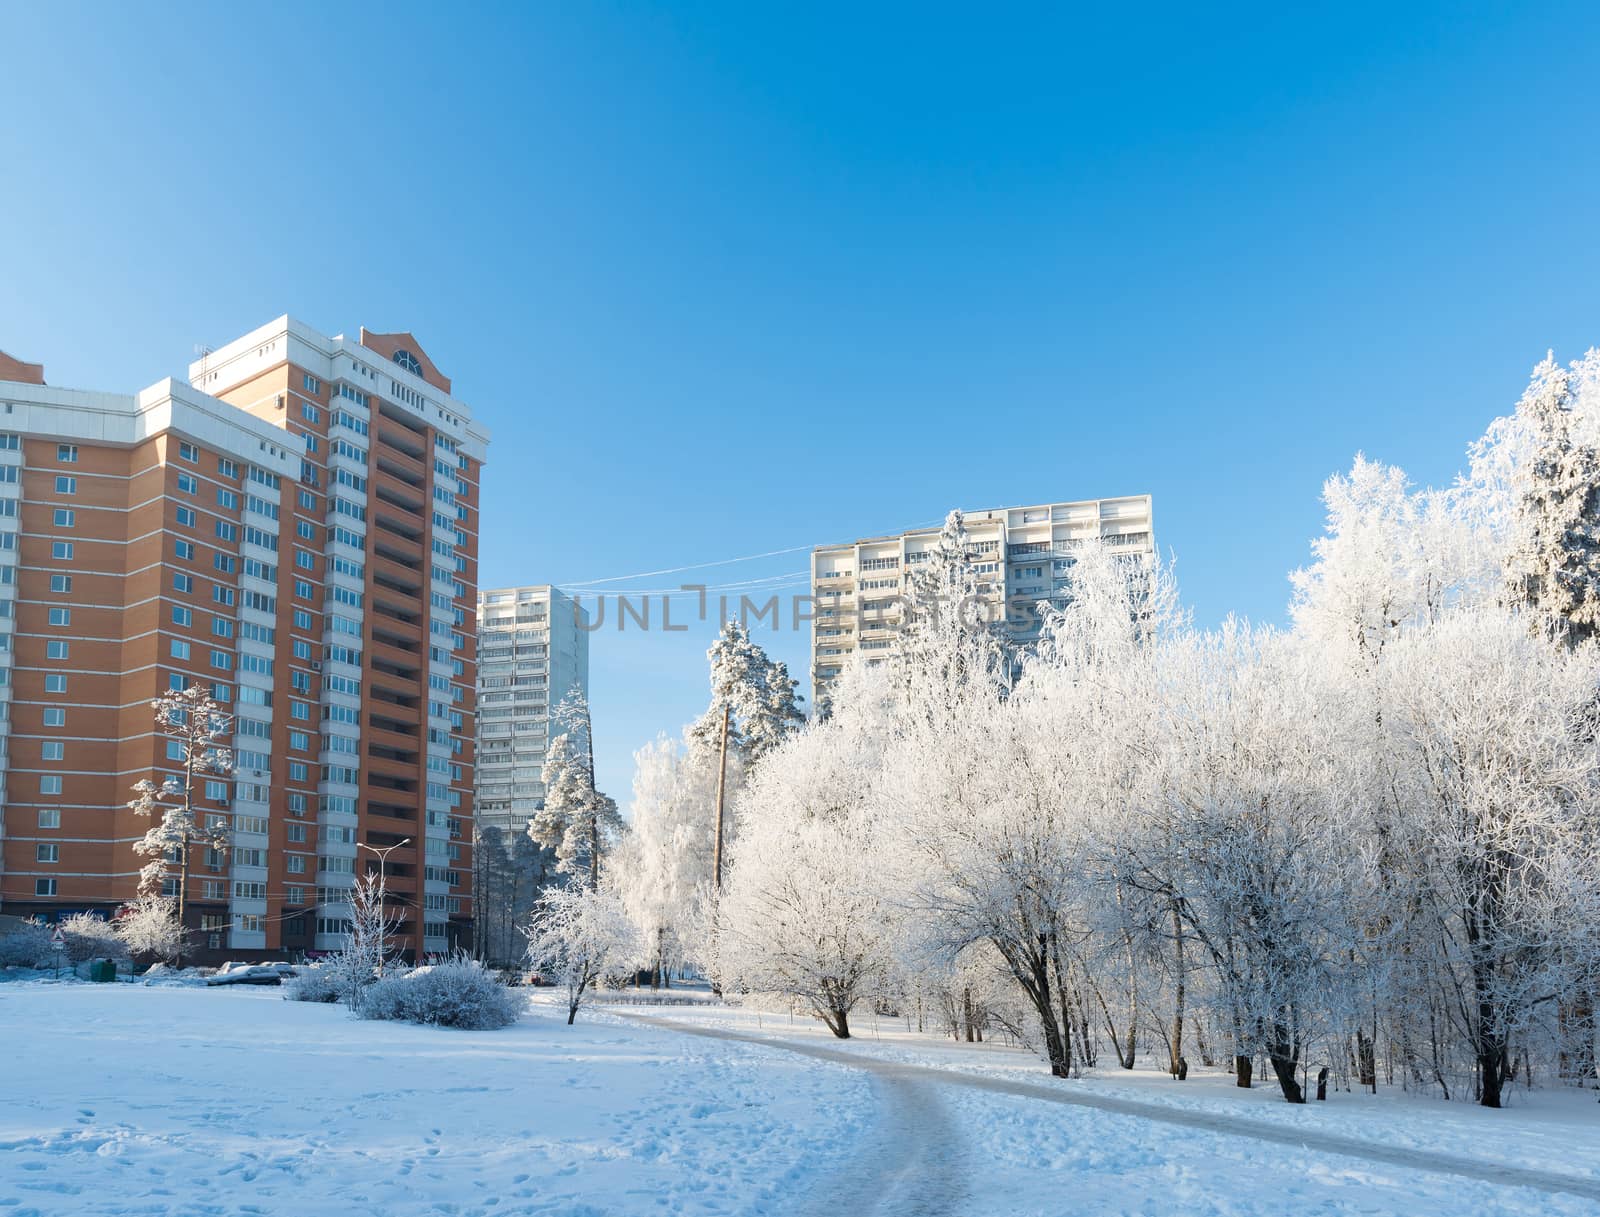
[1025, 550]
[533, 649]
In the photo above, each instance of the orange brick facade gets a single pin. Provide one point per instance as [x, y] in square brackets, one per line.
[148, 561]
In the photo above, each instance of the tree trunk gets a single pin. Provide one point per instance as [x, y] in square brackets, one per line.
[722, 786]
[1366, 1060]
[1243, 1068]
[966, 1012]
[838, 1022]
[1284, 1056]
[1176, 1043]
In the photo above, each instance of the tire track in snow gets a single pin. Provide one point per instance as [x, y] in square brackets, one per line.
[926, 1077]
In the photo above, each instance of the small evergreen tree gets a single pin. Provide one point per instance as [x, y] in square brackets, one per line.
[197, 724]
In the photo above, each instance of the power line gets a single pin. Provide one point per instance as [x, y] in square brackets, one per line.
[771, 553]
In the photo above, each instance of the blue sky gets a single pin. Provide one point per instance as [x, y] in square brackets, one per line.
[731, 279]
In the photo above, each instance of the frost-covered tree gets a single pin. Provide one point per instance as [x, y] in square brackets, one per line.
[580, 936]
[196, 724]
[149, 928]
[365, 953]
[663, 866]
[803, 913]
[1554, 566]
[577, 821]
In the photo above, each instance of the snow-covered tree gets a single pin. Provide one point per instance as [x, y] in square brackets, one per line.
[803, 913]
[663, 866]
[149, 928]
[577, 821]
[197, 725]
[1554, 566]
[580, 936]
[365, 953]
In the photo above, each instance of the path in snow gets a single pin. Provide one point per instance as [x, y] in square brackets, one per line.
[939, 1141]
[907, 1164]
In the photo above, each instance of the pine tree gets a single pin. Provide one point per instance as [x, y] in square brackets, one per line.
[577, 821]
[1555, 565]
[198, 725]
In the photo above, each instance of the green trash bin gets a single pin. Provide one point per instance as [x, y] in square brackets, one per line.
[103, 970]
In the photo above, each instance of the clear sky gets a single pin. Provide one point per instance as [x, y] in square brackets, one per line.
[730, 279]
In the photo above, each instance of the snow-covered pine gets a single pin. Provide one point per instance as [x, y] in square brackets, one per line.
[579, 823]
[197, 724]
[1554, 565]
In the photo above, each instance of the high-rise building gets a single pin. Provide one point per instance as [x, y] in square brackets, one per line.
[297, 531]
[1024, 554]
[533, 650]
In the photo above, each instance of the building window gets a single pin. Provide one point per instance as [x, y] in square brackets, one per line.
[227, 531]
[61, 583]
[61, 551]
[188, 483]
[174, 750]
[305, 530]
[50, 783]
[185, 550]
[181, 615]
[311, 384]
[180, 649]
[408, 361]
[66, 517]
[223, 660]
[227, 467]
[228, 499]
[44, 887]
[67, 454]
[55, 684]
[49, 817]
[297, 863]
[66, 485]
[224, 563]
[223, 595]
[55, 716]
[188, 451]
[308, 501]
[53, 750]
[56, 650]
[60, 616]
[310, 413]
[186, 516]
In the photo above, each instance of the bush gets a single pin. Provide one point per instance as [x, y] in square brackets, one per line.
[460, 992]
[91, 937]
[28, 946]
[318, 984]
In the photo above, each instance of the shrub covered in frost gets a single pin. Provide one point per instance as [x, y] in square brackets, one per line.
[459, 992]
[91, 937]
[28, 946]
[319, 983]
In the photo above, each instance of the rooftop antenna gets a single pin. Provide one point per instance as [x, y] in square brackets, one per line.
[202, 352]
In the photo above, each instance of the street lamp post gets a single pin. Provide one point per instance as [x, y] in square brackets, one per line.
[383, 890]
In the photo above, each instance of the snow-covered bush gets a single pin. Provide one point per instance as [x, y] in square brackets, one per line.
[460, 992]
[28, 946]
[91, 937]
[318, 983]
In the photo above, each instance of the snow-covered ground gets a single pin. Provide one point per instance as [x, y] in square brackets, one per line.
[133, 1100]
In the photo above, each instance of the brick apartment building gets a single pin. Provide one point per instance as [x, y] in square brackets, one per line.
[296, 529]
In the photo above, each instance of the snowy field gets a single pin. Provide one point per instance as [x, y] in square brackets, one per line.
[134, 1100]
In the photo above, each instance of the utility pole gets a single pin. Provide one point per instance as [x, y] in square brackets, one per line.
[383, 893]
[722, 786]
